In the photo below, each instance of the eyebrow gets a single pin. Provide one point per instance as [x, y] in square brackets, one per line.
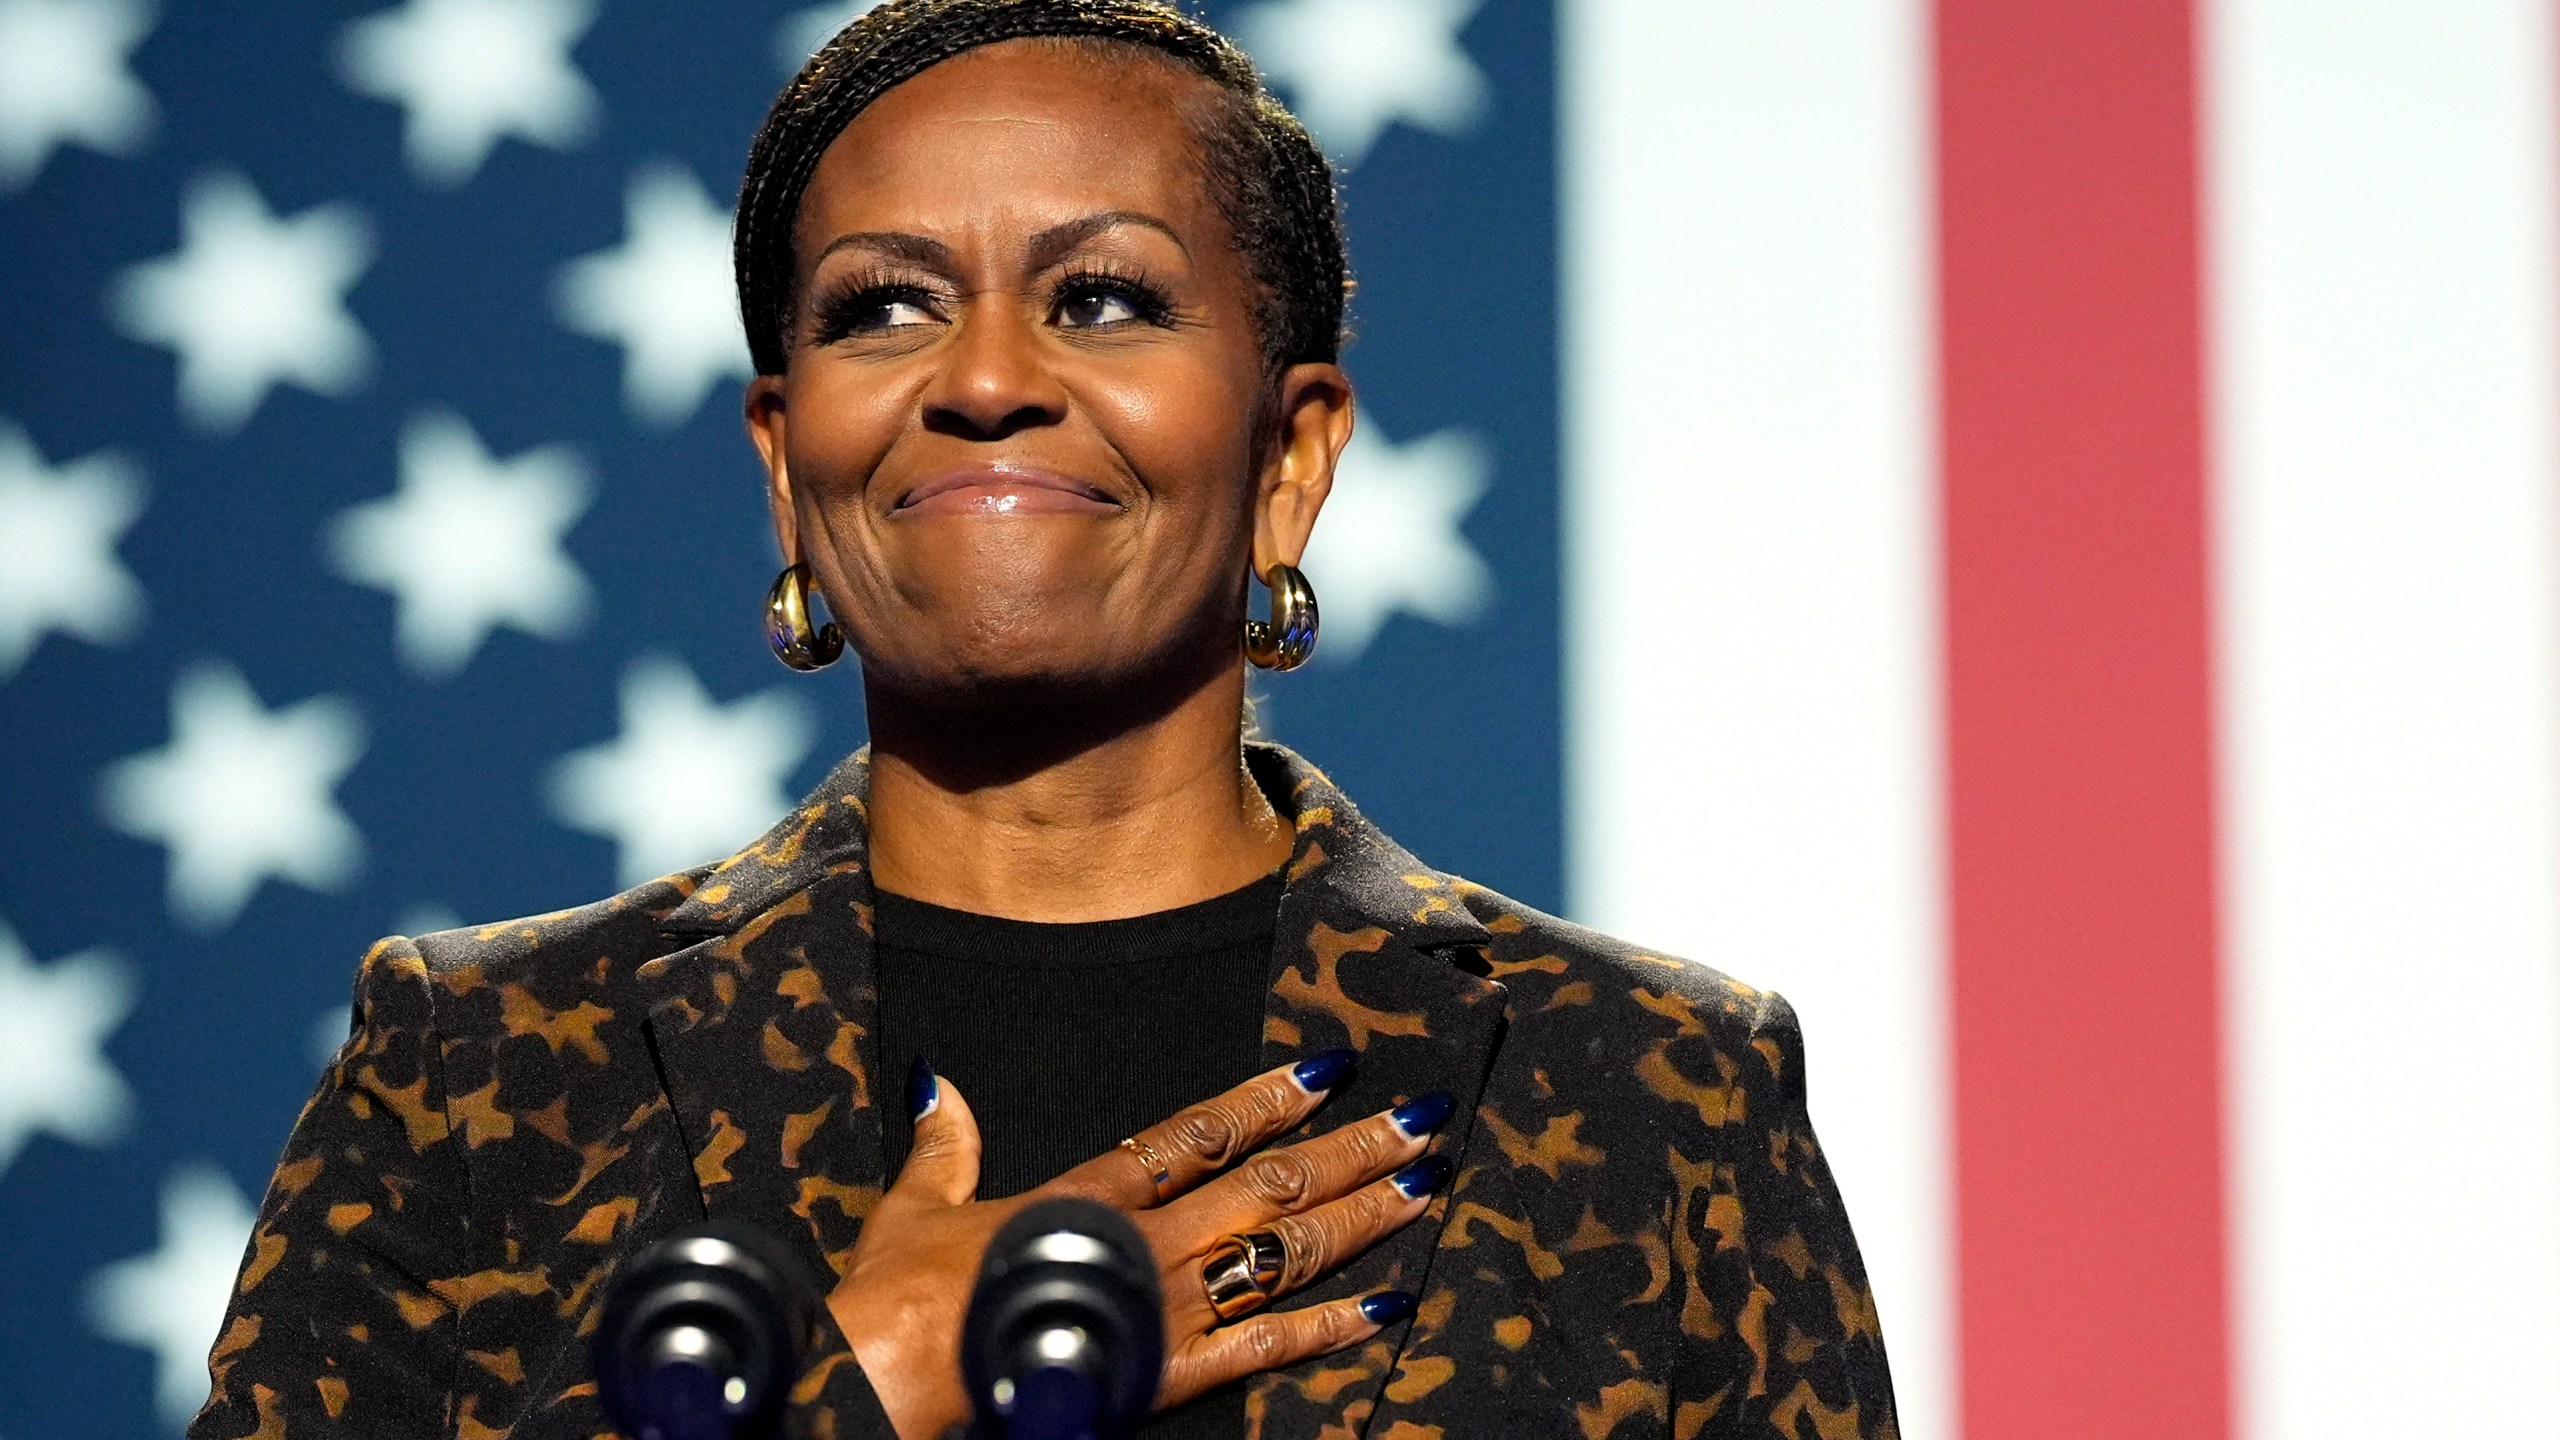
[1047, 248]
[1059, 241]
[897, 244]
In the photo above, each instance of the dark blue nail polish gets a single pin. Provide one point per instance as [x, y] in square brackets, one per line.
[1323, 1072]
[1423, 1176]
[923, 1090]
[1387, 1307]
[1424, 1113]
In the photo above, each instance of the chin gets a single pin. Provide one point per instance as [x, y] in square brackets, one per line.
[1028, 669]
[977, 671]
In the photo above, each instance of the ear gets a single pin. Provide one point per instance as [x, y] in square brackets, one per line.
[765, 425]
[1314, 423]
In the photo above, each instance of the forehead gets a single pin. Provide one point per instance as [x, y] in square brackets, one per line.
[1026, 132]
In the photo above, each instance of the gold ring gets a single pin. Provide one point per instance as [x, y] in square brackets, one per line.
[1157, 1170]
[1241, 1272]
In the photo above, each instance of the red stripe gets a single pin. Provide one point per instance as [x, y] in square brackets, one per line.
[2088, 1095]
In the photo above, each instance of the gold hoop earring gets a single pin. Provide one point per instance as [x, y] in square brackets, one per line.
[796, 642]
[1288, 638]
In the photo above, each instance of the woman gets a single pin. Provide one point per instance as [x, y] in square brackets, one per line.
[1045, 298]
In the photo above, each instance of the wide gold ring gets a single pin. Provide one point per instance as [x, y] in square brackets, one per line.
[1241, 1273]
[1157, 1170]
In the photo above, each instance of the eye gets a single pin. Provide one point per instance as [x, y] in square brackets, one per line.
[874, 310]
[1091, 305]
[880, 312]
[1102, 302]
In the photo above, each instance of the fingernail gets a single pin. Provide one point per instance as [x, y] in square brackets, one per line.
[1387, 1307]
[1323, 1072]
[924, 1092]
[1423, 1176]
[1423, 1114]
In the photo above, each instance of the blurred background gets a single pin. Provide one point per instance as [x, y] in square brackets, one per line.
[2028, 528]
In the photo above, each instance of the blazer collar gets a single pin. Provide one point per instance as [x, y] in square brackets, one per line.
[828, 831]
[765, 1025]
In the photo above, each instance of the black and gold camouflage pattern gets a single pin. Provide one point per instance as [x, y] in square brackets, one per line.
[1642, 1238]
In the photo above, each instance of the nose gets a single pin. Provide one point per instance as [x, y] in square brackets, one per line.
[994, 381]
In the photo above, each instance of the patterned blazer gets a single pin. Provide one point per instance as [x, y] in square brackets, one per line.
[1642, 1238]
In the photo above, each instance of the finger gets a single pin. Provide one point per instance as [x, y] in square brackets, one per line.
[1275, 1339]
[1200, 1141]
[942, 1165]
[1316, 1243]
[1303, 1176]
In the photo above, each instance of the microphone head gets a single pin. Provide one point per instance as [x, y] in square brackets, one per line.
[1067, 1320]
[701, 1336]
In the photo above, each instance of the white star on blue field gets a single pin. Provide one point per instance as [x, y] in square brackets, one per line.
[58, 531]
[1389, 539]
[379, 550]
[65, 78]
[241, 794]
[689, 779]
[1351, 68]
[170, 1300]
[473, 72]
[469, 544]
[54, 1022]
[665, 295]
[251, 300]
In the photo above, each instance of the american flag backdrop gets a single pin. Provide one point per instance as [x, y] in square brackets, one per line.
[2032, 527]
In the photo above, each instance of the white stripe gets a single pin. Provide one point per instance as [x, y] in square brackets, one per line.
[2383, 247]
[1751, 609]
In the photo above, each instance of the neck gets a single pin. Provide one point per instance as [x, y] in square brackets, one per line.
[1057, 814]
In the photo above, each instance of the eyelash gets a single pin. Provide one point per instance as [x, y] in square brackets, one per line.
[839, 313]
[1125, 283]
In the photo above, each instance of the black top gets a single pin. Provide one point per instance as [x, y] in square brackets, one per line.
[1067, 1038]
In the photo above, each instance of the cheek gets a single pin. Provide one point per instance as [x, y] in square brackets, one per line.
[839, 429]
[1184, 427]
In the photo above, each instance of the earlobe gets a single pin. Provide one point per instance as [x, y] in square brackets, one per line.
[786, 521]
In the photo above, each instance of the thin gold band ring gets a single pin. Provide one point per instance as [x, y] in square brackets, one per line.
[1157, 1170]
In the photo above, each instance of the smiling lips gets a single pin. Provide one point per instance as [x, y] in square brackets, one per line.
[1004, 490]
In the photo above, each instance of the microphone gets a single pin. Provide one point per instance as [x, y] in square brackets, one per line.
[1065, 1335]
[701, 1337]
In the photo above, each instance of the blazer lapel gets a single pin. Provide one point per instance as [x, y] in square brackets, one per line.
[1372, 951]
[765, 1029]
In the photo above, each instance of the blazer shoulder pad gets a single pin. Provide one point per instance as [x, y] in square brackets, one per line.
[1551, 963]
[622, 930]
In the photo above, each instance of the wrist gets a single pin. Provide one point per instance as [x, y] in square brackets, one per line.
[884, 1346]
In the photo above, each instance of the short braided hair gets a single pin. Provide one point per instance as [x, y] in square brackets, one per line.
[1271, 182]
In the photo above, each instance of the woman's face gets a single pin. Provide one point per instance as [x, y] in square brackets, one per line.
[1017, 436]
